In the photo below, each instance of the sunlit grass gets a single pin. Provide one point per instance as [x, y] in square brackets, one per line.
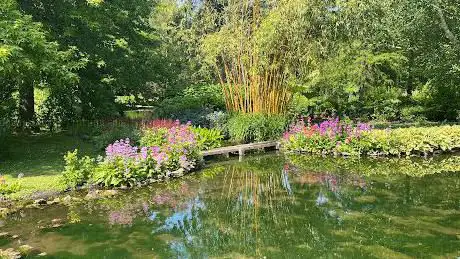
[38, 159]
[40, 154]
[34, 184]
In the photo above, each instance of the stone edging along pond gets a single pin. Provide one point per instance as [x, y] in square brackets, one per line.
[67, 196]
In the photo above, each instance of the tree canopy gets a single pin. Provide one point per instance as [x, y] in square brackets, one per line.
[372, 59]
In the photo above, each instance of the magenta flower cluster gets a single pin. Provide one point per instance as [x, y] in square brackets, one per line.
[177, 151]
[121, 148]
[334, 129]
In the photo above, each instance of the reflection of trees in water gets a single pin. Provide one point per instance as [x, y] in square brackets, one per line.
[246, 206]
[262, 208]
[256, 202]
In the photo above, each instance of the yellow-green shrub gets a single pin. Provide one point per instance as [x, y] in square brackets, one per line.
[382, 142]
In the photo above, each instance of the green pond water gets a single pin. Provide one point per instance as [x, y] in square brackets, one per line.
[264, 207]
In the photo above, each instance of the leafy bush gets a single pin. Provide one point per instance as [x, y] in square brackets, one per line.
[117, 171]
[207, 138]
[256, 127]
[77, 171]
[160, 123]
[336, 137]
[168, 150]
[412, 113]
[411, 141]
[153, 137]
[115, 131]
[9, 188]
[326, 137]
[127, 165]
[219, 120]
[194, 104]
[155, 132]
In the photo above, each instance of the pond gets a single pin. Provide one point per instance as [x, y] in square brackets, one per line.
[267, 206]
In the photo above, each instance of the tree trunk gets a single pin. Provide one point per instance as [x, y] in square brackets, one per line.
[27, 107]
[444, 25]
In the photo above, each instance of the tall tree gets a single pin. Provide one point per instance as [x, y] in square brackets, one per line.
[28, 59]
[122, 48]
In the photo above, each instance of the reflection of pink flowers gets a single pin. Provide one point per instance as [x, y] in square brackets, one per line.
[164, 199]
[145, 207]
[184, 188]
[120, 218]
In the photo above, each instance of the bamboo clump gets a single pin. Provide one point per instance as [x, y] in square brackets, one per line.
[249, 85]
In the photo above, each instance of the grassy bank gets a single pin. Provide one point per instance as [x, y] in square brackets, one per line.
[36, 162]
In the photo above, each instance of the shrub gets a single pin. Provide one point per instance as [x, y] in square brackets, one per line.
[411, 141]
[160, 123]
[207, 138]
[219, 120]
[153, 137]
[77, 171]
[117, 130]
[169, 150]
[194, 103]
[337, 137]
[329, 136]
[244, 128]
[8, 188]
[155, 133]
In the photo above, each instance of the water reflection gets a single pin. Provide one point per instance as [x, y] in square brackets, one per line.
[266, 206]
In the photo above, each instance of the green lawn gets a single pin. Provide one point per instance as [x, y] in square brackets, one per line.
[41, 154]
[40, 159]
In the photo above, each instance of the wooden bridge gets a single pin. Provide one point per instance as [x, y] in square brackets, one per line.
[240, 149]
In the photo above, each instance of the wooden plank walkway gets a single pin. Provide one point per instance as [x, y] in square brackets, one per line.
[240, 149]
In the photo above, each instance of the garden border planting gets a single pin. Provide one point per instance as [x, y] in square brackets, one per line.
[336, 137]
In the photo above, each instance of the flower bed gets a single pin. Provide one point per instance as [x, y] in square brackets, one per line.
[173, 152]
[345, 138]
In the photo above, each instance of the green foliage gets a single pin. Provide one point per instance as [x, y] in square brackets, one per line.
[357, 82]
[126, 45]
[115, 131]
[153, 137]
[164, 150]
[378, 142]
[116, 173]
[372, 59]
[30, 59]
[193, 104]
[207, 138]
[9, 188]
[245, 128]
[77, 170]
[5, 135]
